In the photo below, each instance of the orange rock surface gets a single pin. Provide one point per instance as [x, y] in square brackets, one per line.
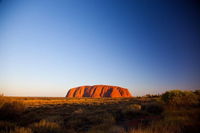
[97, 91]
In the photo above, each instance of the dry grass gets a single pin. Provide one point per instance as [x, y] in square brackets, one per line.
[96, 115]
[21, 130]
[41, 101]
[45, 126]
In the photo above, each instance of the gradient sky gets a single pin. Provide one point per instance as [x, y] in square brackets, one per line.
[49, 46]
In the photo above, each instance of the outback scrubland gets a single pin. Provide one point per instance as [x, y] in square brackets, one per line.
[174, 111]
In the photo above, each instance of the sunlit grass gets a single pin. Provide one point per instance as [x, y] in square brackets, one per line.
[97, 115]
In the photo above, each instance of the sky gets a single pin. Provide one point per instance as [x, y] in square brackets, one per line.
[147, 46]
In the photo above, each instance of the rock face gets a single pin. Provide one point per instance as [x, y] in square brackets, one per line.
[97, 91]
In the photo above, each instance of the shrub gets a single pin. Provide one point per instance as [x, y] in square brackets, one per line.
[153, 108]
[132, 111]
[6, 126]
[116, 129]
[134, 107]
[197, 92]
[133, 114]
[44, 126]
[101, 118]
[106, 118]
[189, 98]
[104, 128]
[178, 97]
[79, 111]
[158, 128]
[152, 95]
[21, 130]
[11, 110]
[2, 100]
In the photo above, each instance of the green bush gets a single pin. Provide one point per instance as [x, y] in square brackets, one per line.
[11, 110]
[178, 97]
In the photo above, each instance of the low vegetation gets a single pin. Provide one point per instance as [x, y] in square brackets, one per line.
[174, 111]
[180, 98]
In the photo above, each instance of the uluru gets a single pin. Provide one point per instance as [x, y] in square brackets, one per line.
[97, 91]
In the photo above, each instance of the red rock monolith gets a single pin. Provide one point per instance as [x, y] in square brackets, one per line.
[98, 91]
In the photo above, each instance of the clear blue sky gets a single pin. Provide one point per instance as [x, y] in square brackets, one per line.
[49, 46]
